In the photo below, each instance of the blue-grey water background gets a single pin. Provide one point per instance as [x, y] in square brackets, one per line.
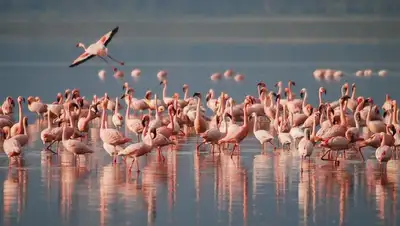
[264, 40]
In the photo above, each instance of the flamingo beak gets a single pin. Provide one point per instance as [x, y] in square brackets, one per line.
[123, 96]
[123, 87]
[301, 94]
[162, 82]
[77, 45]
[23, 99]
[393, 130]
[276, 85]
[196, 95]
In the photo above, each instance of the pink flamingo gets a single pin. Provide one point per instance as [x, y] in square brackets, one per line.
[238, 136]
[384, 152]
[8, 106]
[111, 136]
[98, 49]
[11, 146]
[141, 148]
[18, 128]
[117, 118]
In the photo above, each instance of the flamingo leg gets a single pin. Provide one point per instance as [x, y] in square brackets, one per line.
[112, 58]
[327, 152]
[130, 167]
[137, 165]
[114, 68]
[198, 146]
[233, 149]
[362, 156]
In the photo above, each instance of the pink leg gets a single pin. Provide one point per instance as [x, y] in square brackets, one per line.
[130, 168]
[137, 165]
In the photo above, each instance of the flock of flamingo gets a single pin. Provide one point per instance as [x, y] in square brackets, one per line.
[275, 118]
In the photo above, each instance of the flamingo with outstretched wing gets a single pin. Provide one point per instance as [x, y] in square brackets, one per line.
[98, 49]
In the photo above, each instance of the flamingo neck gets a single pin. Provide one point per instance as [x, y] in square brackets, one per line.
[314, 127]
[49, 126]
[255, 124]
[116, 106]
[306, 98]
[103, 118]
[164, 93]
[127, 110]
[245, 119]
[20, 116]
[186, 95]
[353, 94]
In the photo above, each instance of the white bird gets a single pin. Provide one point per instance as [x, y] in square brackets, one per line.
[98, 49]
[262, 136]
[306, 146]
[117, 118]
[384, 152]
[75, 147]
[139, 149]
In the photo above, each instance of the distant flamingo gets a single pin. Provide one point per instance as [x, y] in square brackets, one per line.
[98, 49]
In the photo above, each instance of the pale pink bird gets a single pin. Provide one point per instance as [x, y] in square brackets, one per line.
[98, 49]
[102, 75]
[162, 75]
[75, 147]
[237, 136]
[11, 146]
[8, 106]
[359, 73]
[384, 152]
[111, 136]
[18, 128]
[375, 126]
[36, 107]
[139, 149]
[119, 74]
[133, 124]
[167, 100]
[117, 118]
[239, 78]
[338, 143]
[136, 72]
[228, 74]
[216, 77]
[382, 73]
[23, 138]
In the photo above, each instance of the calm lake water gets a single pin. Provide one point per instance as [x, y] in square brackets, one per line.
[187, 189]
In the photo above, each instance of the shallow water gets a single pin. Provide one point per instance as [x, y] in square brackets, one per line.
[190, 189]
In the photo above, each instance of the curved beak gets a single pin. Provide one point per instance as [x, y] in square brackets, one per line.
[162, 82]
[66, 95]
[23, 99]
[293, 83]
[302, 94]
[123, 87]
[393, 129]
[276, 85]
[123, 96]
[208, 97]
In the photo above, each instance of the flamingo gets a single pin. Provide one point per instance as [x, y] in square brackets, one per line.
[262, 136]
[384, 152]
[212, 135]
[7, 106]
[133, 124]
[11, 146]
[117, 118]
[75, 147]
[111, 136]
[23, 138]
[17, 128]
[98, 49]
[139, 149]
[167, 100]
[237, 136]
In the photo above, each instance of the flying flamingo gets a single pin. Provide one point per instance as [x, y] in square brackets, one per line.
[98, 49]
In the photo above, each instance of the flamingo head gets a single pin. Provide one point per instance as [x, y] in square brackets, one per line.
[261, 84]
[145, 118]
[197, 95]
[278, 84]
[148, 94]
[370, 100]
[353, 86]
[75, 94]
[185, 87]
[291, 83]
[302, 91]
[59, 97]
[81, 45]
[208, 97]
[125, 86]
[10, 100]
[30, 99]
[123, 96]
[66, 93]
[387, 97]
[175, 96]
[359, 99]
[322, 90]
[309, 108]
[21, 99]
[394, 103]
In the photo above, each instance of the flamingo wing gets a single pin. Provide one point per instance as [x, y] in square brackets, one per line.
[82, 58]
[105, 39]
